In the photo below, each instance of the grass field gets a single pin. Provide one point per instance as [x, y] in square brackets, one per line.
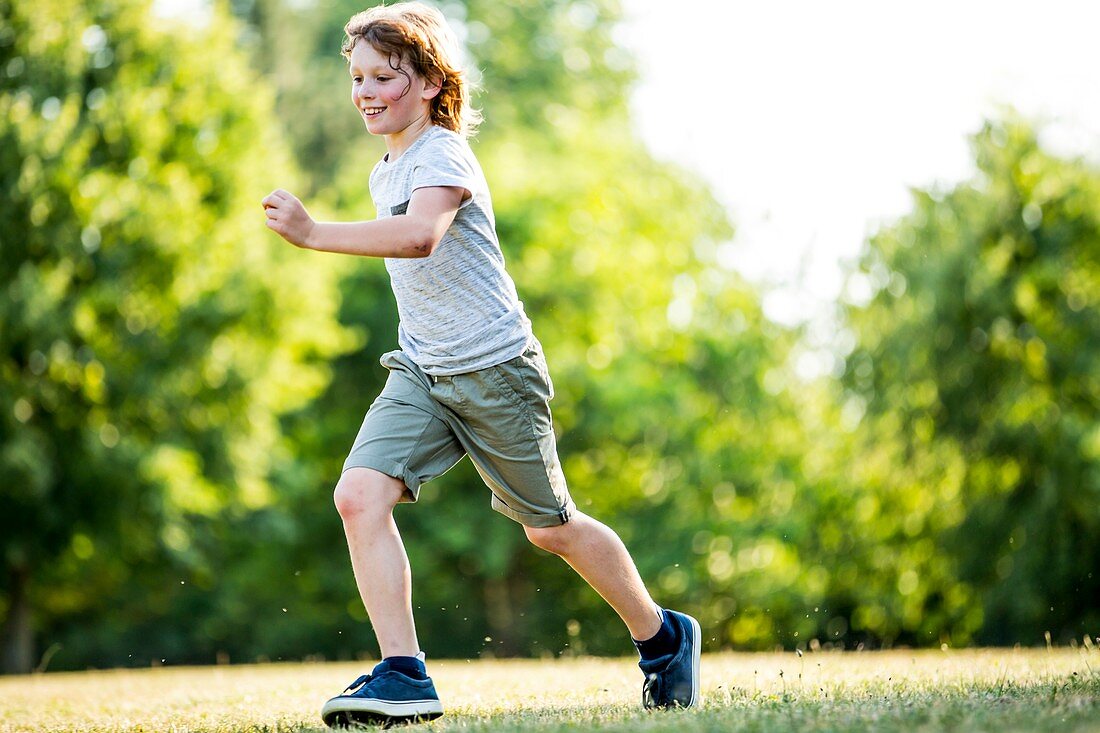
[980, 690]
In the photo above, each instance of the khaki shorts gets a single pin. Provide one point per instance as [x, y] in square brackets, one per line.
[420, 426]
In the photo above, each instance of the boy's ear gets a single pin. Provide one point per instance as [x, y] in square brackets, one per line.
[432, 87]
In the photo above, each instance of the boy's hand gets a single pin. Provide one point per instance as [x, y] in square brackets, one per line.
[287, 217]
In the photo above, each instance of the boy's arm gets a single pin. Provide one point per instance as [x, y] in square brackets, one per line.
[413, 234]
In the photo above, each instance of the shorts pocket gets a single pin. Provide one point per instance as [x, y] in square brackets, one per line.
[402, 381]
[508, 382]
[522, 382]
[537, 362]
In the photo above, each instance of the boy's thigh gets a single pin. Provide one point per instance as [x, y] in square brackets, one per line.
[506, 428]
[403, 434]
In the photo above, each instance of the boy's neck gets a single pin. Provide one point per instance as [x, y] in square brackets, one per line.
[398, 142]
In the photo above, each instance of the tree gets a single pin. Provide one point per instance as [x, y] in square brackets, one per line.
[659, 355]
[151, 332]
[976, 363]
[675, 407]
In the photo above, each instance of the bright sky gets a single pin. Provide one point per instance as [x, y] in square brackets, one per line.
[811, 120]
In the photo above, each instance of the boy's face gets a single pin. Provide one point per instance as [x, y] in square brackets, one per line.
[388, 99]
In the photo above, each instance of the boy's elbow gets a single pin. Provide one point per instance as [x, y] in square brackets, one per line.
[423, 244]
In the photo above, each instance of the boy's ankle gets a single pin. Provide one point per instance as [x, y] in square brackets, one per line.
[664, 642]
[408, 666]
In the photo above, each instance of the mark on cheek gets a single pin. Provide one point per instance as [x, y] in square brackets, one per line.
[408, 86]
[395, 64]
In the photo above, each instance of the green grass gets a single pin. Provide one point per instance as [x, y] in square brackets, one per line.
[997, 690]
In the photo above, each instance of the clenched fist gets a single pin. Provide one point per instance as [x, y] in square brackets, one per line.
[287, 217]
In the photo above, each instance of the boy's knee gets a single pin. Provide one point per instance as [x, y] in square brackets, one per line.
[551, 539]
[364, 491]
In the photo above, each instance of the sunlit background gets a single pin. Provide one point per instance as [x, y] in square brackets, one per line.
[812, 120]
[819, 285]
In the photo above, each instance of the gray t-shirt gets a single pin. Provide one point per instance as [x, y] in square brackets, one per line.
[458, 307]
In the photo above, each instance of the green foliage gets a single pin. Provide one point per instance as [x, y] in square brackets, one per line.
[976, 362]
[151, 333]
[178, 388]
[539, 66]
[659, 357]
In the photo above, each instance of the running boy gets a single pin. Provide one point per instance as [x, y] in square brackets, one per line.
[469, 378]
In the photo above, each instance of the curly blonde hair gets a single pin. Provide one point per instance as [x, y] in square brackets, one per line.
[418, 34]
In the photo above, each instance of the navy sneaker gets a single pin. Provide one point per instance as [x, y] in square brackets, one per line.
[673, 680]
[383, 697]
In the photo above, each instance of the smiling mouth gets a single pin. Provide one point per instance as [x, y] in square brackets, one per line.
[373, 111]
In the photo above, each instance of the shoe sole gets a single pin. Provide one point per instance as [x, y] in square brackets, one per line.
[697, 639]
[342, 712]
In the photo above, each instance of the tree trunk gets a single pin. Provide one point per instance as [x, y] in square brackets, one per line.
[17, 634]
[498, 612]
[503, 596]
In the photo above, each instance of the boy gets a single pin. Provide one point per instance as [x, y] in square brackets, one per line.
[469, 379]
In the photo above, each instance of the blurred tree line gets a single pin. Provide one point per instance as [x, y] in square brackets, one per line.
[179, 387]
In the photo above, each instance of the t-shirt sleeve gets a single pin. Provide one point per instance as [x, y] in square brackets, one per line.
[445, 161]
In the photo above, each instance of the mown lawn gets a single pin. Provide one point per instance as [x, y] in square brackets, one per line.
[997, 690]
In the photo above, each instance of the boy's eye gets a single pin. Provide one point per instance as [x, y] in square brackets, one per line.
[357, 79]
[381, 78]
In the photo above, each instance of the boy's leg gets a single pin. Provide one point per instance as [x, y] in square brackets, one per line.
[668, 641]
[365, 499]
[403, 442]
[501, 416]
[599, 556]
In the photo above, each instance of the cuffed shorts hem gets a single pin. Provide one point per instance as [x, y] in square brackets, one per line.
[390, 468]
[536, 520]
